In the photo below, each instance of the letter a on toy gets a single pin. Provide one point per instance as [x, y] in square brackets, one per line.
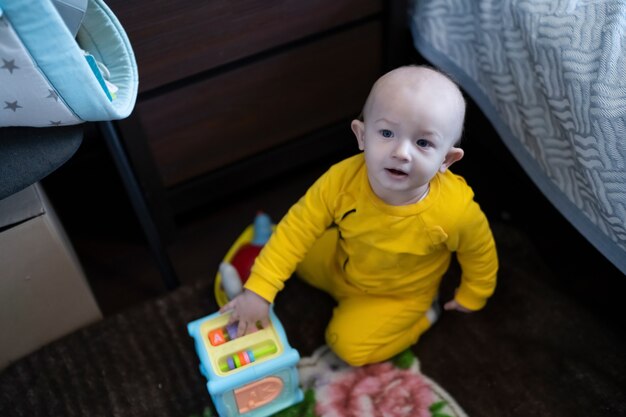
[216, 338]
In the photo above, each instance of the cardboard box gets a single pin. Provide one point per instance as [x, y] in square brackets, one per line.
[43, 291]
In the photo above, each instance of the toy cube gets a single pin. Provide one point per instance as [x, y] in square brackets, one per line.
[252, 376]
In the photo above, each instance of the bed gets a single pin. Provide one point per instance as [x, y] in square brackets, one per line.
[551, 78]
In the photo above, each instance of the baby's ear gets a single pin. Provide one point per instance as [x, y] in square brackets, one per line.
[358, 127]
[453, 155]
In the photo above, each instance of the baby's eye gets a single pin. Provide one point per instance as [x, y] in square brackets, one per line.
[386, 133]
[422, 143]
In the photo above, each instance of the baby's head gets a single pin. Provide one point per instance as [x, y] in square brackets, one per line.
[412, 119]
[428, 88]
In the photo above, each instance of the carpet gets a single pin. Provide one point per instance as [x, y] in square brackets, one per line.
[542, 347]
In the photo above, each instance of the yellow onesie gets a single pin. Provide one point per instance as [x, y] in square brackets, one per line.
[382, 263]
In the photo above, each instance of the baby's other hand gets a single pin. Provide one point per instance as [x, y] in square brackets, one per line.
[453, 305]
[250, 310]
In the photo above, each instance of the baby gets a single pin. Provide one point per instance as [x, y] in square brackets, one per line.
[377, 230]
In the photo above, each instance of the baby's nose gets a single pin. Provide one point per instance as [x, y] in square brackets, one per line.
[401, 150]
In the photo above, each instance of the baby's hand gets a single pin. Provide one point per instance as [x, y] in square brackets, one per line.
[250, 310]
[453, 305]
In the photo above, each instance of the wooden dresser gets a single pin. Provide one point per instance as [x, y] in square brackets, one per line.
[233, 92]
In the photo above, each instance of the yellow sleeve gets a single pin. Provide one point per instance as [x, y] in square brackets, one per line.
[296, 233]
[476, 253]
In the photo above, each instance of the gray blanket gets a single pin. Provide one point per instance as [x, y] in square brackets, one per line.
[551, 77]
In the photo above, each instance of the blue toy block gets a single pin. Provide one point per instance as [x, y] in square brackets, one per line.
[252, 376]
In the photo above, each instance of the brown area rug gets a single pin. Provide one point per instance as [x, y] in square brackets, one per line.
[536, 350]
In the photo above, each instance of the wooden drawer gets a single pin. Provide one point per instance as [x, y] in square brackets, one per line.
[210, 124]
[176, 39]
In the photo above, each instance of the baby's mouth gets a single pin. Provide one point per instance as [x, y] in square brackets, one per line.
[396, 172]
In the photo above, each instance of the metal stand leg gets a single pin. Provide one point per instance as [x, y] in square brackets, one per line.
[140, 206]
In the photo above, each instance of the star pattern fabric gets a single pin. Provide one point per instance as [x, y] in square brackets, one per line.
[26, 96]
[12, 105]
[9, 65]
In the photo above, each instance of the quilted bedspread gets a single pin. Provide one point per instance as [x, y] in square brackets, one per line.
[551, 77]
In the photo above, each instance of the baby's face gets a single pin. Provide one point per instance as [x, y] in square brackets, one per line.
[408, 136]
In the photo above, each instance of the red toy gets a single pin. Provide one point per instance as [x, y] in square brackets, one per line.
[235, 269]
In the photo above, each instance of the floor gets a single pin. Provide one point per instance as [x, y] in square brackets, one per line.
[550, 343]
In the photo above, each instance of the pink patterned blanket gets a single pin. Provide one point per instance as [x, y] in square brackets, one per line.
[391, 389]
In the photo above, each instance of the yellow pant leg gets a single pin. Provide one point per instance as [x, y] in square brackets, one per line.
[373, 329]
[364, 328]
